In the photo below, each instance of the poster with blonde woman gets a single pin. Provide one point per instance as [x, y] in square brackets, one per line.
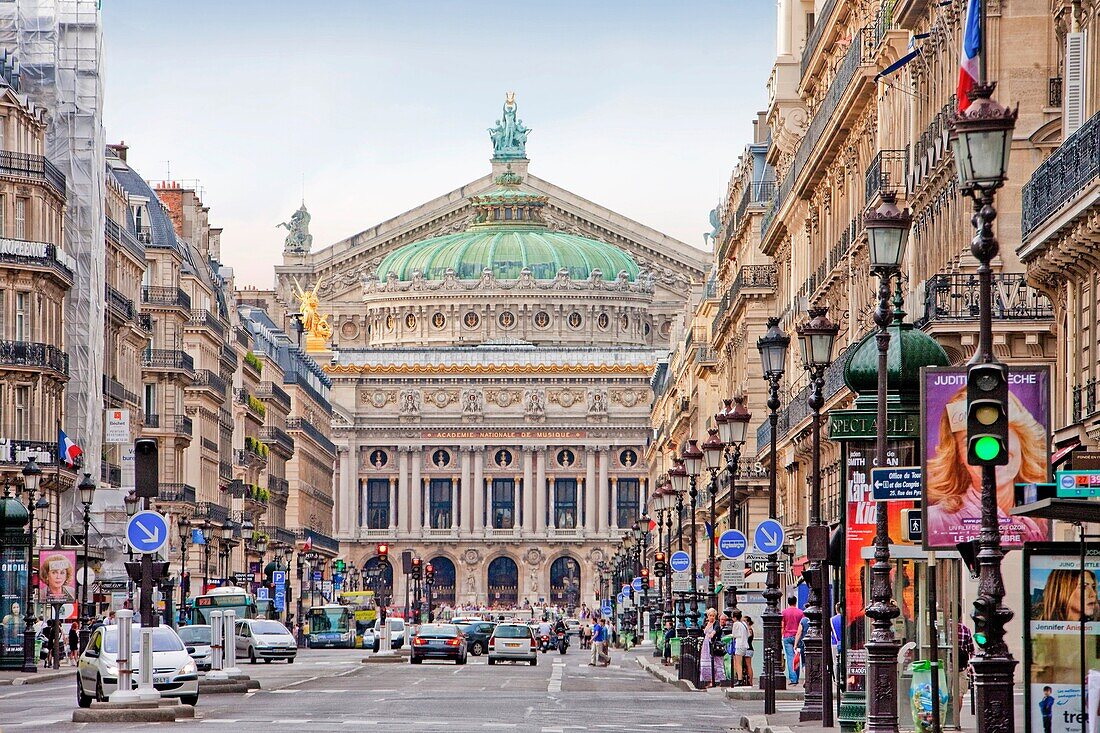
[952, 487]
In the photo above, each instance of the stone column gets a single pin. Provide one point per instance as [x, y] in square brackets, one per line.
[393, 503]
[347, 491]
[590, 505]
[604, 493]
[613, 498]
[404, 455]
[540, 492]
[528, 490]
[415, 491]
[401, 521]
[466, 491]
[456, 487]
[477, 506]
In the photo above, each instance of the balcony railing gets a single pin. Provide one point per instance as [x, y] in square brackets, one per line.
[183, 425]
[275, 393]
[122, 235]
[1054, 92]
[300, 423]
[1084, 400]
[36, 254]
[165, 295]
[145, 235]
[117, 392]
[319, 539]
[179, 493]
[35, 167]
[209, 510]
[225, 470]
[821, 22]
[31, 354]
[279, 535]
[122, 304]
[955, 297]
[277, 437]
[211, 379]
[110, 473]
[1062, 176]
[749, 276]
[201, 317]
[146, 322]
[278, 486]
[758, 192]
[887, 173]
[167, 359]
[17, 451]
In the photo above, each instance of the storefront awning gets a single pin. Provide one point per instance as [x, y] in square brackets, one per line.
[1062, 453]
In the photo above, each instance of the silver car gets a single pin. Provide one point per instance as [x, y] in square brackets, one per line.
[175, 673]
[260, 638]
[514, 642]
[197, 639]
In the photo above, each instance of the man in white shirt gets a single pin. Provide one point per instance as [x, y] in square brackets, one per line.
[740, 632]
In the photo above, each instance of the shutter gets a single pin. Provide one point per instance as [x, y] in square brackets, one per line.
[1073, 115]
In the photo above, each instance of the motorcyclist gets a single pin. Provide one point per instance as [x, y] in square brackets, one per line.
[562, 631]
[544, 628]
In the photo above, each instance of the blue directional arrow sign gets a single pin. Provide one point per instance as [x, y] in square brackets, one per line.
[605, 608]
[679, 561]
[147, 531]
[636, 585]
[769, 537]
[732, 544]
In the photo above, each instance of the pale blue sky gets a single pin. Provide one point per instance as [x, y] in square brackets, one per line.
[642, 107]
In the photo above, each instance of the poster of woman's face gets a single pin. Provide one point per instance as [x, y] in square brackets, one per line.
[952, 487]
[57, 576]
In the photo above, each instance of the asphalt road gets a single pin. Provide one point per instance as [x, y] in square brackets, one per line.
[331, 690]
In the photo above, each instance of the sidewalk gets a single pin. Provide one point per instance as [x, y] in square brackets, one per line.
[15, 677]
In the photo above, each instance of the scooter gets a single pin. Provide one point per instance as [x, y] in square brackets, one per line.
[563, 642]
[544, 643]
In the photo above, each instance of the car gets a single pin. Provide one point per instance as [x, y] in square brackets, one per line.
[573, 626]
[438, 641]
[261, 638]
[397, 634]
[513, 642]
[175, 673]
[478, 634]
[197, 640]
[465, 620]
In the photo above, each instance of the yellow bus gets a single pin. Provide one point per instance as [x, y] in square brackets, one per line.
[361, 603]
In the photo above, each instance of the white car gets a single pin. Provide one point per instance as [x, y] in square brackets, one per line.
[397, 634]
[175, 673]
[197, 638]
[261, 638]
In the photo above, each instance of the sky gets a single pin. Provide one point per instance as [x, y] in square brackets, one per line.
[368, 109]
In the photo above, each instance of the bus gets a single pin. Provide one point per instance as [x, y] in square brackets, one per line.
[364, 611]
[226, 598]
[331, 625]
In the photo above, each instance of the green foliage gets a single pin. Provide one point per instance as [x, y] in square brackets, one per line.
[253, 360]
[257, 405]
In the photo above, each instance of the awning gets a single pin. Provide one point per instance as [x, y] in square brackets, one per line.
[1063, 453]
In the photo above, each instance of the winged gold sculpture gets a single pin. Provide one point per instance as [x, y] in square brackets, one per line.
[315, 325]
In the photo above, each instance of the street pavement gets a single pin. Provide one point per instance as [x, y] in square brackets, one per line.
[331, 690]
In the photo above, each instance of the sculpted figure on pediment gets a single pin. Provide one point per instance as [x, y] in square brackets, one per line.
[418, 281]
[526, 279]
[409, 402]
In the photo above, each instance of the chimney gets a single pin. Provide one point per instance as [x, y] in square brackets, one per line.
[119, 149]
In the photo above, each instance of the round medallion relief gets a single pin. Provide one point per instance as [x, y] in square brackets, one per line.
[542, 319]
[666, 329]
[378, 458]
[575, 320]
[378, 399]
[471, 319]
[503, 458]
[441, 458]
[349, 330]
[566, 458]
[410, 321]
[628, 458]
[506, 319]
[439, 320]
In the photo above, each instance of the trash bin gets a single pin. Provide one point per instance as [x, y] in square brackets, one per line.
[920, 694]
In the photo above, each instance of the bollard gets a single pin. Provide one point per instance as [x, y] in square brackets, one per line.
[385, 642]
[229, 641]
[145, 690]
[124, 658]
[216, 647]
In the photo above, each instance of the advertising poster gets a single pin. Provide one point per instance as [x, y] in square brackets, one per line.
[57, 580]
[13, 592]
[860, 533]
[1054, 613]
[952, 490]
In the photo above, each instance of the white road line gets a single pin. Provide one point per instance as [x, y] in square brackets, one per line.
[283, 692]
[555, 677]
[219, 720]
[359, 722]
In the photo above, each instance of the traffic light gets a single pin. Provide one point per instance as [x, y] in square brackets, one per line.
[645, 578]
[429, 573]
[660, 564]
[416, 568]
[987, 415]
[383, 551]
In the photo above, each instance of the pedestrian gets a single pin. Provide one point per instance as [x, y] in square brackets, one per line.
[800, 642]
[837, 624]
[670, 634]
[965, 640]
[740, 632]
[747, 663]
[791, 619]
[74, 640]
[712, 668]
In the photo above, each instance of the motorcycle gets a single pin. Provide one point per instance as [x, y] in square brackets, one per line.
[544, 643]
[563, 642]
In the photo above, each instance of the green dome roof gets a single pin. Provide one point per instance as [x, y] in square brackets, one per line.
[909, 350]
[508, 235]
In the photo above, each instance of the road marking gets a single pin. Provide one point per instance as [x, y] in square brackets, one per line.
[284, 692]
[219, 720]
[360, 722]
[555, 677]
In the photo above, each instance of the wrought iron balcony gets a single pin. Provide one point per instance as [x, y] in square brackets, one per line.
[176, 493]
[183, 425]
[275, 393]
[167, 359]
[15, 452]
[31, 354]
[202, 317]
[120, 234]
[165, 296]
[278, 486]
[36, 254]
[754, 193]
[955, 297]
[821, 22]
[887, 173]
[748, 276]
[300, 423]
[1062, 176]
[145, 235]
[277, 438]
[1054, 92]
[146, 322]
[279, 535]
[110, 473]
[1084, 400]
[35, 167]
[211, 379]
[117, 392]
[208, 510]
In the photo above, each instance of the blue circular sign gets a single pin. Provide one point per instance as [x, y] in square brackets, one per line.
[147, 531]
[679, 561]
[769, 537]
[1068, 481]
[605, 608]
[636, 584]
[732, 544]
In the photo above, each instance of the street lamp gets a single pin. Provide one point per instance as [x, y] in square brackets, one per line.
[206, 537]
[713, 450]
[733, 429]
[887, 234]
[981, 138]
[692, 457]
[227, 537]
[32, 477]
[87, 495]
[183, 525]
[679, 478]
[815, 339]
[773, 357]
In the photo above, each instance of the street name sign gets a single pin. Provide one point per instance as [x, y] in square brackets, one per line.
[679, 561]
[904, 483]
[761, 565]
[769, 537]
[147, 531]
[732, 544]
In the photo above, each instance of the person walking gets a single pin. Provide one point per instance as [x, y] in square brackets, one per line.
[747, 663]
[740, 646]
[74, 640]
[712, 668]
[598, 635]
[791, 620]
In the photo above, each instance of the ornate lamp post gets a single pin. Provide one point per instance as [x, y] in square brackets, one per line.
[87, 495]
[733, 428]
[679, 478]
[227, 537]
[32, 477]
[816, 339]
[887, 232]
[713, 452]
[773, 357]
[692, 457]
[206, 525]
[981, 139]
[131, 502]
[183, 526]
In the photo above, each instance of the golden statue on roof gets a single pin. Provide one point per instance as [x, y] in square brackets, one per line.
[316, 326]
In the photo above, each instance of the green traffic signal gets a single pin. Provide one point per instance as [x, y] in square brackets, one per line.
[979, 637]
[987, 447]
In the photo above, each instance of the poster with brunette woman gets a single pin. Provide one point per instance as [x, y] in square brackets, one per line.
[1061, 595]
[953, 488]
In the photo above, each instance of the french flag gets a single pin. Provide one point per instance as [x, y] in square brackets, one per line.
[969, 66]
[67, 450]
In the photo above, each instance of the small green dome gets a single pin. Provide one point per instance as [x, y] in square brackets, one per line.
[508, 235]
[13, 515]
[910, 349]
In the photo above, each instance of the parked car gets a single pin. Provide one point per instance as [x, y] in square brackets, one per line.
[260, 638]
[573, 626]
[478, 634]
[197, 640]
[175, 673]
[438, 641]
[397, 634]
[513, 642]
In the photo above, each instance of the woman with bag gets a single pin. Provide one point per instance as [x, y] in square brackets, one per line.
[712, 669]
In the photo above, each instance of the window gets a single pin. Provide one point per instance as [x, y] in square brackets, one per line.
[504, 503]
[150, 401]
[627, 506]
[22, 327]
[378, 503]
[565, 503]
[439, 503]
[20, 218]
[22, 411]
[3, 216]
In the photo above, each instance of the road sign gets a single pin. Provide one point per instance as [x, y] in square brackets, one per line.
[732, 544]
[242, 578]
[280, 598]
[624, 590]
[914, 524]
[733, 572]
[681, 585]
[278, 577]
[147, 531]
[316, 574]
[605, 608]
[1078, 484]
[769, 537]
[262, 594]
[636, 584]
[680, 561]
[761, 565]
[903, 483]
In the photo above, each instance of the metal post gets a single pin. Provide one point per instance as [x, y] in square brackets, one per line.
[124, 658]
[816, 666]
[774, 677]
[697, 628]
[217, 647]
[145, 690]
[30, 664]
[731, 468]
[230, 641]
[681, 611]
[882, 647]
[85, 621]
[712, 588]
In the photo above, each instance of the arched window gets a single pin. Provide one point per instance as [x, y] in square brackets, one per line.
[381, 582]
[565, 582]
[503, 583]
[443, 591]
